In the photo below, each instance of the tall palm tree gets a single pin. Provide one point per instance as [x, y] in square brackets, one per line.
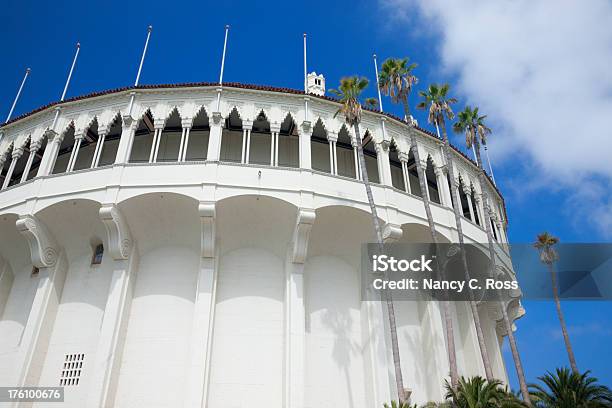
[396, 80]
[545, 245]
[476, 133]
[348, 94]
[569, 389]
[370, 103]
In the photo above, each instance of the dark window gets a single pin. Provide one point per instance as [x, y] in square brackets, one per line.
[98, 254]
[35, 271]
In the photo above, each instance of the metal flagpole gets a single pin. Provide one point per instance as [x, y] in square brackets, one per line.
[144, 52]
[305, 83]
[377, 84]
[57, 112]
[222, 68]
[27, 72]
[489, 163]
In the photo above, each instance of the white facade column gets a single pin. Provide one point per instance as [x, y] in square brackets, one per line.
[186, 124]
[480, 209]
[214, 140]
[274, 129]
[384, 167]
[403, 157]
[78, 138]
[99, 146]
[6, 283]
[295, 310]
[305, 133]
[128, 131]
[111, 339]
[157, 135]
[33, 150]
[47, 256]
[2, 161]
[442, 183]
[14, 157]
[247, 125]
[468, 194]
[244, 139]
[203, 312]
[356, 159]
[332, 138]
[423, 165]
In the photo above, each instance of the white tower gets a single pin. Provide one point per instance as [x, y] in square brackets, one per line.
[316, 84]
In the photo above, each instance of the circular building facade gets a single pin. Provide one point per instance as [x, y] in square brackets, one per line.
[189, 245]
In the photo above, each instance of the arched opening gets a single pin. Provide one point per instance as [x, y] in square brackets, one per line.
[397, 173]
[231, 138]
[261, 140]
[371, 158]
[110, 144]
[64, 151]
[36, 160]
[432, 182]
[196, 144]
[345, 154]
[413, 176]
[319, 148]
[288, 143]
[170, 139]
[87, 147]
[143, 139]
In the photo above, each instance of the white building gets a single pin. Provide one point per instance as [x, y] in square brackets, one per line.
[190, 253]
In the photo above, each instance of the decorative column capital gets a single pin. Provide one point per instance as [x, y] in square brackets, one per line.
[187, 122]
[332, 136]
[117, 231]
[392, 233]
[423, 164]
[439, 171]
[467, 190]
[381, 147]
[217, 118]
[159, 124]
[43, 247]
[53, 137]
[247, 124]
[275, 127]
[17, 153]
[207, 212]
[403, 157]
[303, 225]
[127, 120]
[306, 126]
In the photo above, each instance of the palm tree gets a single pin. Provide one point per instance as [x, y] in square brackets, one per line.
[348, 94]
[473, 125]
[395, 404]
[570, 389]
[476, 392]
[396, 80]
[370, 103]
[545, 245]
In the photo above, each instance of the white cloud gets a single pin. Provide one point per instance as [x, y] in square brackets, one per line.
[542, 71]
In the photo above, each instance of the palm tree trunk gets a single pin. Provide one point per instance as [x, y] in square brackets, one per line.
[568, 345]
[399, 382]
[406, 108]
[508, 326]
[456, 205]
[448, 321]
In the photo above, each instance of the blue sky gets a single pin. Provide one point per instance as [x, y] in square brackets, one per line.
[546, 188]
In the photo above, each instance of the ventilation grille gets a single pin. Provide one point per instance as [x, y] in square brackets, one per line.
[71, 372]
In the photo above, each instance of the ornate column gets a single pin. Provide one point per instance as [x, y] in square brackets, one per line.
[78, 138]
[384, 167]
[159, 127]
[102, 131]
[2, 161]
[186, 124]
[295, 309]
[247, 125]
[214, 141]
[34, 146]
[305, 133]
[14, 157]
[122, 248]
[356, 159]
[6, 282]
[480, 209]
[203, 312]
[468, 193]
[403, 157]
[274, 129]
[126, 141]
[332, 138]
[443, 190]
[51, 262]
[423, 164]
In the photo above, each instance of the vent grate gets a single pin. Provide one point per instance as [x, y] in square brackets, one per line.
[71, 371]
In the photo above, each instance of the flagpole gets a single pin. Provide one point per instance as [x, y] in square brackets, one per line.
[142, 58]
[305, 83]
[489, 163]
[380, 105]
[57, 112]
[25, 77]
[222, 68]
